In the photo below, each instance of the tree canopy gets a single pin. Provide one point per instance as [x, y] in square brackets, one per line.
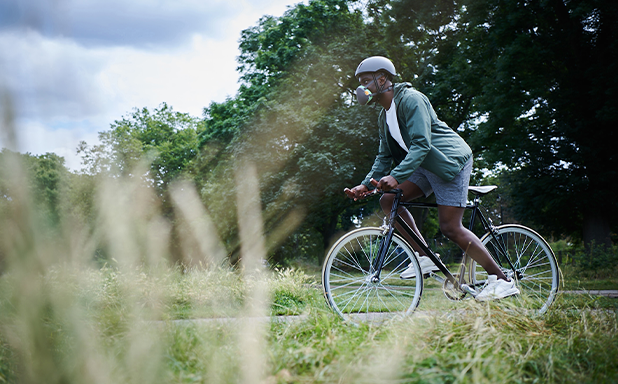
[531, 85]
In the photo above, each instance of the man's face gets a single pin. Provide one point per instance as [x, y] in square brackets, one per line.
[366, 80]
[369, 84]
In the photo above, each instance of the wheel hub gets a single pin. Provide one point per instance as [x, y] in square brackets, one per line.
[372, 279]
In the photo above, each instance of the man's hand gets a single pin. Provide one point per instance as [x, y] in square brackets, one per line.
[357, 192]
[386, 183]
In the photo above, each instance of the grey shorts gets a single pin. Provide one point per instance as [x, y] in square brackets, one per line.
[452, 193]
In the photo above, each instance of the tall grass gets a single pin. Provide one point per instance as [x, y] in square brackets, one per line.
[66, 319]
[137, 318]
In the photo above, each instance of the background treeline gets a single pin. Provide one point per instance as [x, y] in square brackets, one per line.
[531, 85]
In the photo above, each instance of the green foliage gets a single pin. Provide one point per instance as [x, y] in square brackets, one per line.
[499, 72]
[290, 292]
[47, 180]
[224, 120]
[164, 139]
[270, 48]
[131, 324]
[306, 244]
[546, 117]
[293, 117]
[598, 259]
[538, 117]
[481, 344]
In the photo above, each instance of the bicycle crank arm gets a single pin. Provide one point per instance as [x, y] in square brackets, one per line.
[440, 279]
[468, 289]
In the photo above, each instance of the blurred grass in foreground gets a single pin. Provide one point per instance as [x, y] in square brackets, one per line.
[119, 328]
[65, 318]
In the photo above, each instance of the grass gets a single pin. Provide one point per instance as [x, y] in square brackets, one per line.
[140, 319]
[128, 316]
[577, 279]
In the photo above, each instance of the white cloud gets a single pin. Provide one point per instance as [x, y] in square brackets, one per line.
[118, 22]
[61, 140]
[66, 87]
[187, 80]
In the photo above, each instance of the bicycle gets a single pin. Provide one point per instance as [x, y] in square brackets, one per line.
[361, 273]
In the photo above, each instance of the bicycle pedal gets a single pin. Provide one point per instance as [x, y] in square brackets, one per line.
[468, 289]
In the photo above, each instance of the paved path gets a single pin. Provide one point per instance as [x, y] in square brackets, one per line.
[593, 292]
[604, 292]
[286, 319]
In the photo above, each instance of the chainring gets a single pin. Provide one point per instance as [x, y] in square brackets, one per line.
[450, 291]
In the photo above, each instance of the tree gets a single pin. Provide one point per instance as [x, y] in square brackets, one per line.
[533, 86]
[304, 131]
[45, 178]
[167, 140]
[551, 100]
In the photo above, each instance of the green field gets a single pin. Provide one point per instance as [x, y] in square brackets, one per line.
[114, 325]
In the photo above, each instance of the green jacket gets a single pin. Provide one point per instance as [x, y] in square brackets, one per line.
[431, 143]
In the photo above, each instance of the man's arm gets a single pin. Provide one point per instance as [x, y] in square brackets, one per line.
[381, 165]
[418, 126]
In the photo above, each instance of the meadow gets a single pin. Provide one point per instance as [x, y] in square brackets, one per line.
[173, 325]
[134, 316]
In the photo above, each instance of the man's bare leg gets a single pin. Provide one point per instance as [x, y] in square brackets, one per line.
[451, 227]
[410, 191]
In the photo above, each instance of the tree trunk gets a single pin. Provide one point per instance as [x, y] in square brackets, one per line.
[596, 228]
[328, 231]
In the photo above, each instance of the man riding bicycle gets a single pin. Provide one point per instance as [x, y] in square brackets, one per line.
[429, 157]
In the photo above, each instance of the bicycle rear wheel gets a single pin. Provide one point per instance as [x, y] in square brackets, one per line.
[537, 274]
[347, 283]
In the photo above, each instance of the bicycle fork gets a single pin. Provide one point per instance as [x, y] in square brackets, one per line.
[388, 231]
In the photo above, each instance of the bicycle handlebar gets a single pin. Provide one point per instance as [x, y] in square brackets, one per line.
[377, 191]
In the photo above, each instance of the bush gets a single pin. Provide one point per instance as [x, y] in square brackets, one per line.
[601, 260]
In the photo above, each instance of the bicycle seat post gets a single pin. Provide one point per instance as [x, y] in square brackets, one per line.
[476, 201]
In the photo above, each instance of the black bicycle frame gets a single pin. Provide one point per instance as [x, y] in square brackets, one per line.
[394, 217]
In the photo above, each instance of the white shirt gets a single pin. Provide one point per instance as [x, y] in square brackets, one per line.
[393, 125]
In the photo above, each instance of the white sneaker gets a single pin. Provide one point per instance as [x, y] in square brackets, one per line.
[497, 289]
[426, 266]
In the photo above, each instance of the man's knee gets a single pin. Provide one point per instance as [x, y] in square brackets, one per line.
[386, 202]
[450, 230]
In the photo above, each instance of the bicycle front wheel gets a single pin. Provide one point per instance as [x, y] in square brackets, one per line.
[536, 271]
[347, 278]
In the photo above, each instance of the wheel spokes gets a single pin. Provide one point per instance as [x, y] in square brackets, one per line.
[351, 263]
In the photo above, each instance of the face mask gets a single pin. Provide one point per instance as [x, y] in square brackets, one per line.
[364, 95]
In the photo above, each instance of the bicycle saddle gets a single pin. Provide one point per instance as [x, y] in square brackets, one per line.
[481, 190]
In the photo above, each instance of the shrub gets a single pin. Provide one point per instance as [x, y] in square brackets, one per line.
[601, 260]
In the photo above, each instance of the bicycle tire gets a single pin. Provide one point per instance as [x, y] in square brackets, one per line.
[348, 288]
[534, 261]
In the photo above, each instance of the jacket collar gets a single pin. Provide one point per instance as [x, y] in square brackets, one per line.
[399, 89]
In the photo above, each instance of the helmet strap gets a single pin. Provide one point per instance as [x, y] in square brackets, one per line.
[380, 88]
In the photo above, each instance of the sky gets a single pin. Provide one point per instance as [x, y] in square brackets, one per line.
[70, 68]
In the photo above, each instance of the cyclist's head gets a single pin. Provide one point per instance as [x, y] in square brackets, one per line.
[381, 72]
[376, 64]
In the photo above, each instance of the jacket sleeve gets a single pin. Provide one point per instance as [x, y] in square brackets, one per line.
[381, 165]
[417, 122]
